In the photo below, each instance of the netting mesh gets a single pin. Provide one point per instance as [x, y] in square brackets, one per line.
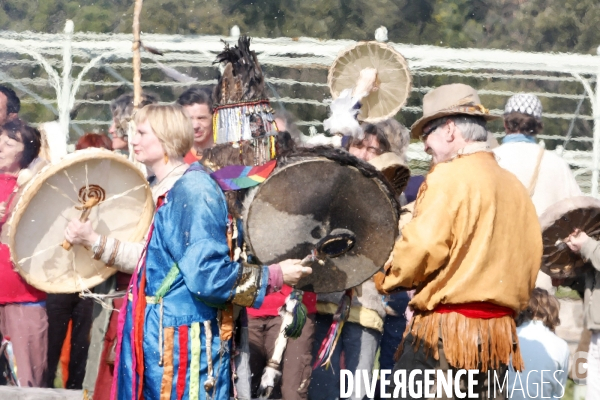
[99, 69]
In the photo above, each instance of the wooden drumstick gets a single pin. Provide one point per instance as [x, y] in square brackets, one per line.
[87, 209]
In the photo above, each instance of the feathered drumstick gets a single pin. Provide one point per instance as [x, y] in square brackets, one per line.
[345, 108]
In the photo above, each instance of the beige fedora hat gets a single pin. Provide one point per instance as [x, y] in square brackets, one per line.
[452, 99]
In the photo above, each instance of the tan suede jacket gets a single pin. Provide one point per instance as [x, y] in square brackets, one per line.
[474, 237]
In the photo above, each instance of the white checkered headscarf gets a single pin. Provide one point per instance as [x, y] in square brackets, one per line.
[524, 103]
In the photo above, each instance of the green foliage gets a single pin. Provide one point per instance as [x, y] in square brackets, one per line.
[546, 25]
[564, 292]
[532, 25]
[93, 18]
[185, 17]
[536, 25]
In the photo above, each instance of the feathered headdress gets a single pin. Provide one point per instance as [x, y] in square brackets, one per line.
[242, 109]
[242, 79]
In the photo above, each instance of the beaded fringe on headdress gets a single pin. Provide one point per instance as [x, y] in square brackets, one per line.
[231, 122]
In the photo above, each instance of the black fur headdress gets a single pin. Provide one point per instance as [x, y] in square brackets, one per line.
[242, 110]
[242, 79]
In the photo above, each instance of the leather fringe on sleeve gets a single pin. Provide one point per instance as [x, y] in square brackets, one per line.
[469, 343]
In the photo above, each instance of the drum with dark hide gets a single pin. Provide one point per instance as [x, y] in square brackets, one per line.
[327, 203]
[558, 222]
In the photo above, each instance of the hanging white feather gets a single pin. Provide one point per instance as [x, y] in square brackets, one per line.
[345, 109]
[322, 140]
[343, 116]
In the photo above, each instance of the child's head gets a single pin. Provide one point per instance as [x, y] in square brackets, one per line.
[542, 307]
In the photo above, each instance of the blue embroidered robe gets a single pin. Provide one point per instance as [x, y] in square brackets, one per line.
[190, 232]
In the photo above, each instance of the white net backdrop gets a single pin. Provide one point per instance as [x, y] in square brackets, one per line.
[72, 77]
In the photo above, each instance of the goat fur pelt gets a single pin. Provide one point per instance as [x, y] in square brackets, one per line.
[272, 372]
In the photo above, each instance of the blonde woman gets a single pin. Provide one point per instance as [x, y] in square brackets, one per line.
[169, 344]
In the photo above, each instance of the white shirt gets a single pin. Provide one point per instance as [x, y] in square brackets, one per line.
[542, 350]
[555, 180]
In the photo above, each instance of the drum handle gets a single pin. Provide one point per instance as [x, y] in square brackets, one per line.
[87, 209]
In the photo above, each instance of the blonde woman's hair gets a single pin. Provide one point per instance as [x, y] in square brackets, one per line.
[171, 126]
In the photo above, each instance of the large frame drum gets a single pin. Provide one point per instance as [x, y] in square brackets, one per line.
[55, 197]
[319, 194]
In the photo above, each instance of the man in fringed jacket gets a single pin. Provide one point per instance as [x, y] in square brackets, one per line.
[472, 250]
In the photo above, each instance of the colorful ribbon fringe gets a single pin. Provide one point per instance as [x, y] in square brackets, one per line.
[235, 177]
[335, 331]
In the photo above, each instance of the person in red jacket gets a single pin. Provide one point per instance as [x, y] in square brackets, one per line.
[23, 317]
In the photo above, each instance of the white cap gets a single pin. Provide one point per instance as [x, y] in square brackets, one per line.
[524, 103]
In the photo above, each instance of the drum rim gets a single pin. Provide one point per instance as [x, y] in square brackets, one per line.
[32, 188]
[399, 57]
[547, 220]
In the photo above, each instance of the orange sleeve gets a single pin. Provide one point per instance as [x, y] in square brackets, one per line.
[426, 240]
